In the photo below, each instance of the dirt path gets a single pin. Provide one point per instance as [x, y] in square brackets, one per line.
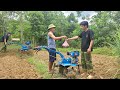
[12, 67]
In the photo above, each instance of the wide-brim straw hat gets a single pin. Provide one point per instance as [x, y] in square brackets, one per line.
[51, 26]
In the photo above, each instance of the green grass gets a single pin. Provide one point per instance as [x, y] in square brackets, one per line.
[40, 67]
[67, 49]
[103, 51]
[118, 76]
[13, 46]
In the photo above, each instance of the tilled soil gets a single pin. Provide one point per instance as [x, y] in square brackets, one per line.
[13, 67]
[105, 67]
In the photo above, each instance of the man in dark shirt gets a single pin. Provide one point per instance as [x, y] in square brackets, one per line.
[87, 37]
[3, 42]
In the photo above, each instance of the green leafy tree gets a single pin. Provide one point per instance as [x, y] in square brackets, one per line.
[36, 20]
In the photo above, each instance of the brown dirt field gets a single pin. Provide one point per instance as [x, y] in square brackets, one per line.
[13, 67]
[105, 67]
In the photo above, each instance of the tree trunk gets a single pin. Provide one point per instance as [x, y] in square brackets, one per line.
[33, 39]
[21, 27]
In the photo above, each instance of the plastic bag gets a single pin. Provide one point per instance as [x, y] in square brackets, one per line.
[65, 44]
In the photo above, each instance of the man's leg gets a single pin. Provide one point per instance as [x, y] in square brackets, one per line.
[89, 62]
[89, 65]
[50, 66]
[84, 67]
[52, 58]
[50, 61]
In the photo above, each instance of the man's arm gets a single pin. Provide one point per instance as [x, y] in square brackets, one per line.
[91, 42]
[90, 46]
[56, 38]
[73, 38]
